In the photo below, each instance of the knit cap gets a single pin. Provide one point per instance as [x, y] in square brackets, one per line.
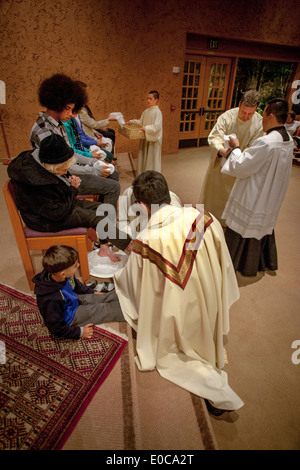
[54, 149]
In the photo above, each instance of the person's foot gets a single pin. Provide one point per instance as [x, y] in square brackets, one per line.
[104, 250]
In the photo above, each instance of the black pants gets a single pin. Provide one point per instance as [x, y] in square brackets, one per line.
[84, 215]
[249, 255]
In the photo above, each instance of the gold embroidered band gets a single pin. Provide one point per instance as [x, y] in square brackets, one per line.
[179, 274]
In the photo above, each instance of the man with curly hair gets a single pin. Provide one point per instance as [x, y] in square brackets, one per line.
[61, 95]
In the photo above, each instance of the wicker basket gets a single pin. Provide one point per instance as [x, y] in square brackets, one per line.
[132, 131]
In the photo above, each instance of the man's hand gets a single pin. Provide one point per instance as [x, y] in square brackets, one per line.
[233, 142]
[96, 154]
[105, 171]
[224, 152]
[88, 330]
[101, 144]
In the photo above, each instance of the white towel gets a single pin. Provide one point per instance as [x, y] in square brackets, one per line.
[100, 152]
[101, 163]
[119, 117]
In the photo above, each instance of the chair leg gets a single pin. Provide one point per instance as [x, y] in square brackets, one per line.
[83, 259]
[28, 267]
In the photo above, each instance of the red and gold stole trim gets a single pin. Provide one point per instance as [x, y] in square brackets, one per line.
[179, 274]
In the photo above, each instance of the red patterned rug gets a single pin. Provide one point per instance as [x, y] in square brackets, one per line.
[46, 382]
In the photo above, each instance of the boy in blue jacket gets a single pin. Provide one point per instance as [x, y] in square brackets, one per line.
[68, 307]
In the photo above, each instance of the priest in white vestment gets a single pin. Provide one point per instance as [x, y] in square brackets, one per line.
[149, 154]
[246, 123]
[129, 210]
[262, 176]
[176, 290]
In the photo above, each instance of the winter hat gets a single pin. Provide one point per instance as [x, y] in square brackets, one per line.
[54, 149]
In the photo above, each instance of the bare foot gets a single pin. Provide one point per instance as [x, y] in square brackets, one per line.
[104, 250]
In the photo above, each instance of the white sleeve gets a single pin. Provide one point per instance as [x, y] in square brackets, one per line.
[244, 164]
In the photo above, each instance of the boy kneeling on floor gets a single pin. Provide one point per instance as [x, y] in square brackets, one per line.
[68, 307]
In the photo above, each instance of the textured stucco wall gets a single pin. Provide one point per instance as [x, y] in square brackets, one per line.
[122, 49]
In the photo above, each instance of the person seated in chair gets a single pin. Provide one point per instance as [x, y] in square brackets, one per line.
[61, 95]
[95, 128]
[46, 194]
[81, 142]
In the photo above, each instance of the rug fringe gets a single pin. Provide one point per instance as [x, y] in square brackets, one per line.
[17, 290]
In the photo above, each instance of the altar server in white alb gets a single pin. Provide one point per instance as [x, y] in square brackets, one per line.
[262, 176]
[149, 155]
[246, 123]
[176, 290]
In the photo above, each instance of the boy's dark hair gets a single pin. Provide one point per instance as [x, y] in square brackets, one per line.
[59, 90]
[59, 257]
[151, 187]
[279, 107]
[155, 94]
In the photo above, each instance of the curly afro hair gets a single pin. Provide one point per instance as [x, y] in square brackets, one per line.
[59, 90]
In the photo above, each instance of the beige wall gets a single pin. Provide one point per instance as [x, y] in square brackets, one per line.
[122, 49]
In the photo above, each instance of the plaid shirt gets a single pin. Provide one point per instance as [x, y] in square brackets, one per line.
[44, 126]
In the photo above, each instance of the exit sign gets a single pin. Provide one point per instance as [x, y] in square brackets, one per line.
[213, 43]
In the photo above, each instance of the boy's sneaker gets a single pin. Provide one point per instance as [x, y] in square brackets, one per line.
[105, 287]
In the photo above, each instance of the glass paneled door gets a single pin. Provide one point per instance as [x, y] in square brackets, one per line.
[204, 95]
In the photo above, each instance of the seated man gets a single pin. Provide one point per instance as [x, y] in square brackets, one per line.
[103, 142]
[46, 195]
[60, 95]
[176, 290]
[82, 143]
[293, 127]
[92, 127]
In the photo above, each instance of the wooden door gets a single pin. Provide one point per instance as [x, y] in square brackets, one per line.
[191, 97]
[204, 94]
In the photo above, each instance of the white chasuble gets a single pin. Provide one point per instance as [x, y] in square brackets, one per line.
[175, 291]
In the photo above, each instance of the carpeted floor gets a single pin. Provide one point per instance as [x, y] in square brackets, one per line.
[46, 383]
[264, 324]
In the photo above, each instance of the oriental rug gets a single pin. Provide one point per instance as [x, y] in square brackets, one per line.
[46, 383]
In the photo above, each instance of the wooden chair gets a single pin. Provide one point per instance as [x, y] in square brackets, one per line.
[29, 240]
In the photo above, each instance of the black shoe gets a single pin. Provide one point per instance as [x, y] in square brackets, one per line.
[215, 411]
